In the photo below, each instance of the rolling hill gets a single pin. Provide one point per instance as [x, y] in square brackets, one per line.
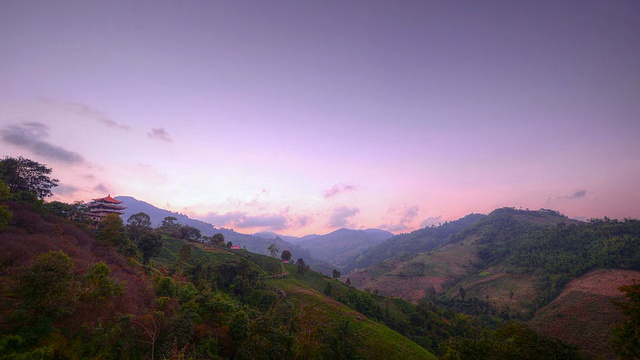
[409, 244]
[207, 302]
[511, 263]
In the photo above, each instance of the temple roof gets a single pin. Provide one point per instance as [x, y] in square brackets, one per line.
[101, 205]
[108, 199]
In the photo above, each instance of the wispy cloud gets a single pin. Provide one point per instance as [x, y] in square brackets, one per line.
[340, 217]
[253, 202]
[576, 195]
[403, 218]
[65, 189]
[270, 221]
[30, 136]
[159, 134]
[87, 111]
[338, 189]
[101, 188]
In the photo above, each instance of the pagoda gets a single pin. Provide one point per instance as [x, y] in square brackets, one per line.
[100, 208]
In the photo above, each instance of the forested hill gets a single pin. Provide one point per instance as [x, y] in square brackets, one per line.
[421, 240]
[511, 263]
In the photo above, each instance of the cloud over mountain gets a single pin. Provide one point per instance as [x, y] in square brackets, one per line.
[340, 217]
[244, 220]
[404, 216]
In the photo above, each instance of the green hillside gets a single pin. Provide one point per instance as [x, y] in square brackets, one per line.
[192, 301]
[409, 244]
[508, 265]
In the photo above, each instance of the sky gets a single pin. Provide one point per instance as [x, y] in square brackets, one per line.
[303, 117]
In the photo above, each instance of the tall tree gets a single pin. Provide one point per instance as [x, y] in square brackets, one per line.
[150, 244]
[336, 273]
[273, 250]
[302, 266]
[111, 231]
[137, 225]
[27, 177]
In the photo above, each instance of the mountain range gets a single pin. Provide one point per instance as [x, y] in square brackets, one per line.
[321, 252]
[540, 267]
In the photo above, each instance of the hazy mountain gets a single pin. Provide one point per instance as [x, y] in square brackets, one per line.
[272, 235]
[336, 246]
[255, 244]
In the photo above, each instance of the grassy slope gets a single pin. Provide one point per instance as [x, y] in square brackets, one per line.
[372, 340]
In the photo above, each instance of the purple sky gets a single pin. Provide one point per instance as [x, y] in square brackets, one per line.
[306, 116]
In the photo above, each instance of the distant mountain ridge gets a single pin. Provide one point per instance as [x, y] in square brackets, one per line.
[252, 243]
[335, 247]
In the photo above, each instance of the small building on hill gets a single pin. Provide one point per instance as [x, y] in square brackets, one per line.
[100, 208]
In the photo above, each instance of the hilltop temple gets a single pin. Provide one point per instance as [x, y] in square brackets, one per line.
[100, 208]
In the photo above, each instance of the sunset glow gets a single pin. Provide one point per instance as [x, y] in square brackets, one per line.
[304, 117]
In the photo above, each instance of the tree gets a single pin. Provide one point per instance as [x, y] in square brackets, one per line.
[348, 282]
[190, 233]
[286, 255]
[217, 239]
[24, 176]
[626, 340]
[99, 285]
[336, 274]
[462, 292]
[150, 244]
[169, 223]
[302, 266]
[139, 220]
[47, 287]
[111, 231]
[273, 250]
[76, 212]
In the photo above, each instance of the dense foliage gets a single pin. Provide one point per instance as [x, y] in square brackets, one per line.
[626, 341]
[548, 244]
[26, 178]
[421, 240]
